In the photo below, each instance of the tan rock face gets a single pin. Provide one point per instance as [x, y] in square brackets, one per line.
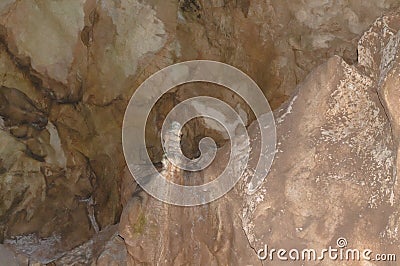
[347, 157]
[334, 175]
[276, 42]
[40, 177]
[68, 69]
[47, 41]
[155, 232]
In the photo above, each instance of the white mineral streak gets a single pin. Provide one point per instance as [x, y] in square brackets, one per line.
[288, 111]
[139, 31]
[55, 143]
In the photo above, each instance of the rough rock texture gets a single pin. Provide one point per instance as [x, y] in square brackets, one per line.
[276, 42]
[340, 176]
[69, 67]
[7, 257]
[105, 248]
[341, 180]
[159, 233]
[334, 175]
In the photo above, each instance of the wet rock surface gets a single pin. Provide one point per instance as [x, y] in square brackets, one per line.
[68, 69]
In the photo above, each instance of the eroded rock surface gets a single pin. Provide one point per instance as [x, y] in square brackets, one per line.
[334, 175]
[341, 179]
[68, 69]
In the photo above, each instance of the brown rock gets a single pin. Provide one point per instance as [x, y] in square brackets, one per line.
[334, 176]
[68, 69]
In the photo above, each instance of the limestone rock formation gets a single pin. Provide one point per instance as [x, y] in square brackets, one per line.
[334, 175]
[69, 67]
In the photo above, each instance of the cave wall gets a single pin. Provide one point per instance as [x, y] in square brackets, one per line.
[69, 67]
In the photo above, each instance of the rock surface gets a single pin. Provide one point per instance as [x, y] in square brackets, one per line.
[8, 257]
[344, 124]
[68, 69]
[334, 175]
